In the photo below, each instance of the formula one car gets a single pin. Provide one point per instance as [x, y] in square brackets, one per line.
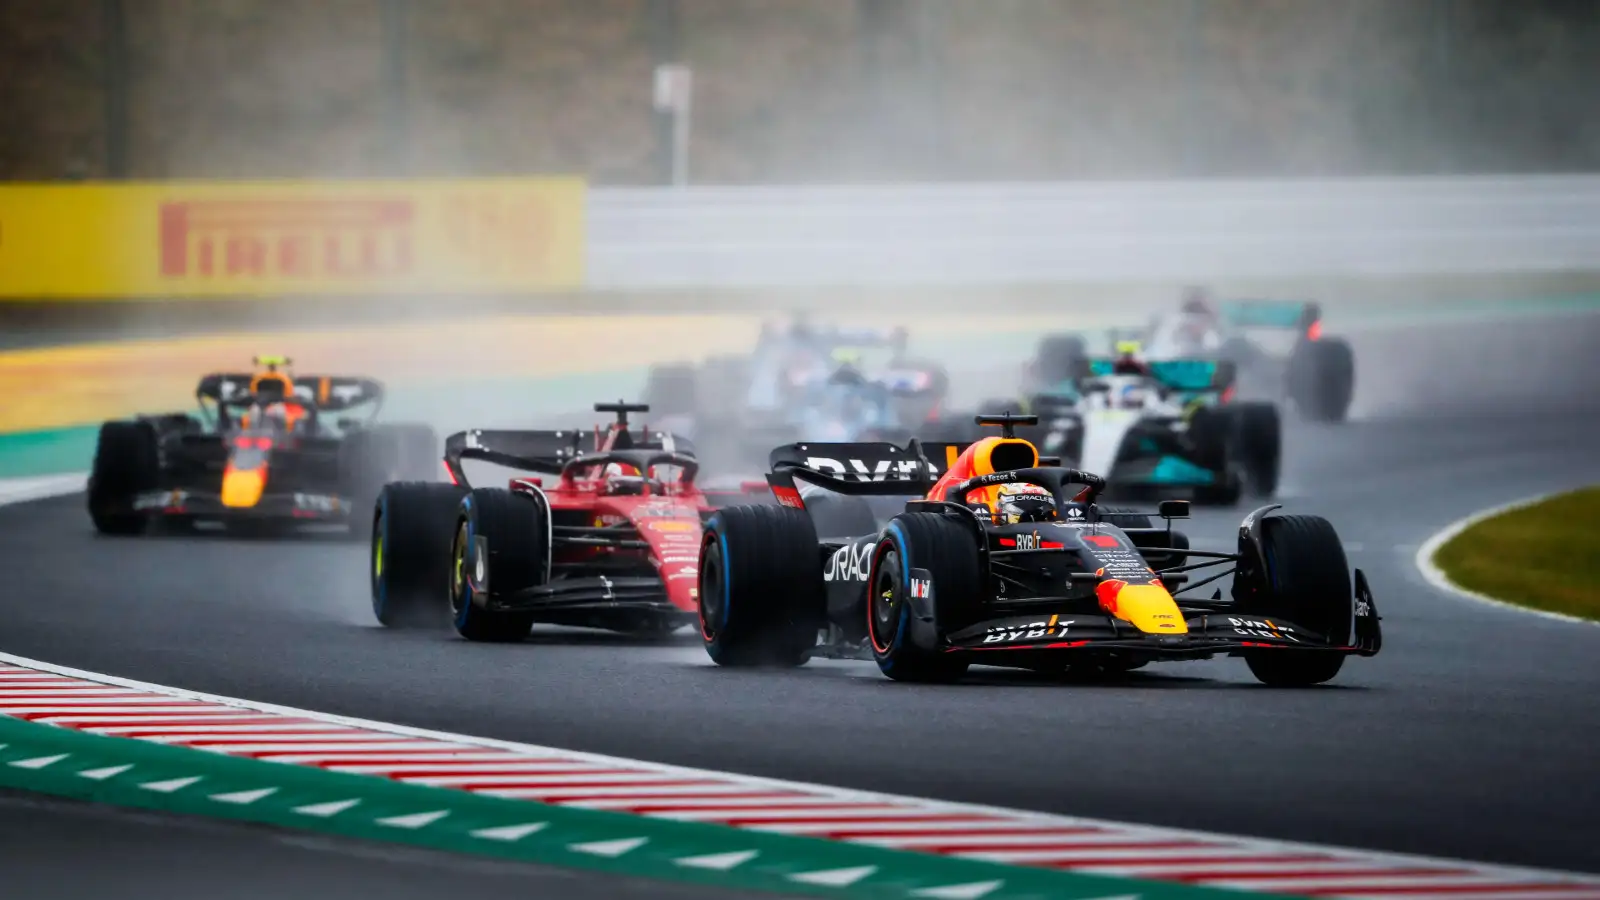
[612, 543]
[1167, 424]
[268, 450]
[1004, 561]
[801, 381]
[1155, 426]
[1276, 347]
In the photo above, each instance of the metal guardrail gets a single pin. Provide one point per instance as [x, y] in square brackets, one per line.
[1090, 232]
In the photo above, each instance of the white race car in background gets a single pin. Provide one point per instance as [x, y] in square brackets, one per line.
[1168, 430]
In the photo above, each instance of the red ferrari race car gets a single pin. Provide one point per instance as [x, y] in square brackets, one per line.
[611, 541]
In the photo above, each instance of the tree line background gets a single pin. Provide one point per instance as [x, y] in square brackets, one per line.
[798, 91]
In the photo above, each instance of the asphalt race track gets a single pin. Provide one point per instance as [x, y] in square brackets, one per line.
[153, 856]
[1473, 735]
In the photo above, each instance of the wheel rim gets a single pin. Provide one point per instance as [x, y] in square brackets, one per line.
[458, 570]
[713, 617]
[882, 608]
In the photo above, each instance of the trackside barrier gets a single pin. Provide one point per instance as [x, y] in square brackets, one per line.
[1095, 232]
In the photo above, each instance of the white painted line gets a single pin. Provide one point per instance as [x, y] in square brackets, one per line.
[22, 490]
[1436, 577]
[103, 774]
[610, 849]
[324, 810]
[510, 832]
[834, 877]
[975, 890]
[170, 785]
[39, 762]
[244, 798]
[718, 862]
[415, 820]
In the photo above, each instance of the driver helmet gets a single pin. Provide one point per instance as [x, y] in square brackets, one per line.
[1128, 361]
[1017, 502]
[621, 478]
[1197, 302]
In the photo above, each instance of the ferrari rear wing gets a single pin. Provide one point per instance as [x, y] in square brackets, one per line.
[531, 451]
[552, 451]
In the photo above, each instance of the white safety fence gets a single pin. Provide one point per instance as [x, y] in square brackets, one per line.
[1091, 232]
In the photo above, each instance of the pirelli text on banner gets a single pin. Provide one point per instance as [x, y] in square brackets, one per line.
[252, 239]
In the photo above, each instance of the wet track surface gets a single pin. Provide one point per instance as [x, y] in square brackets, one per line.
[1472, 735]
[153, 856]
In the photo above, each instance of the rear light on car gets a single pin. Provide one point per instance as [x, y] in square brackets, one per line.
[253, 443]
[449, 473]
[1314, 332]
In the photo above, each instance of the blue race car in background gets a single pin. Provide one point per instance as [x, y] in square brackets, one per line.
[801, 382]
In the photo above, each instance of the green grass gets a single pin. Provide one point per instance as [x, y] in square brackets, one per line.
[1545, 556]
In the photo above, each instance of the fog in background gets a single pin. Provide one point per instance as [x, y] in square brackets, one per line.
[785, 92]
[797, 91]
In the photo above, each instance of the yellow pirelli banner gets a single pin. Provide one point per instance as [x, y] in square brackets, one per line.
[281, 238]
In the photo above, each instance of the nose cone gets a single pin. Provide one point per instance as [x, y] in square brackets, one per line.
[1148, 607]
[243, 487]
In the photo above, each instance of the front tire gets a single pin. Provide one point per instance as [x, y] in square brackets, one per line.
[1307, 582]
[501, 547]
[127, 462]
[906, 637]
[762, 600]
[410, 555]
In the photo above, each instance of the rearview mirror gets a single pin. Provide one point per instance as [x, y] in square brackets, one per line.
[1173, 509]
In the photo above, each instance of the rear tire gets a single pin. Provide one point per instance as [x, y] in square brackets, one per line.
[127, 462]
[1322, 379]
[762, 600]
[410, 554]
[1307, 582]
[1260, 446]
[948, 551]
[501, 546]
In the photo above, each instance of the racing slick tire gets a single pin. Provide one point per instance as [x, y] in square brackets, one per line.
[948, 551]
[762, 600]
[669, 390]
[501, 546]
[1260, 436]
[1322, 377]
[1307, 582]
[410, 572]
[127, 462]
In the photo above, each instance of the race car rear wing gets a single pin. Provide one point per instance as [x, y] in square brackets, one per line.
[552, 451]
[863, 469]
[328, 393]
[1288, 314]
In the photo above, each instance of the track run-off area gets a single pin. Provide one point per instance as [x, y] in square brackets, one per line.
[1470, 737]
